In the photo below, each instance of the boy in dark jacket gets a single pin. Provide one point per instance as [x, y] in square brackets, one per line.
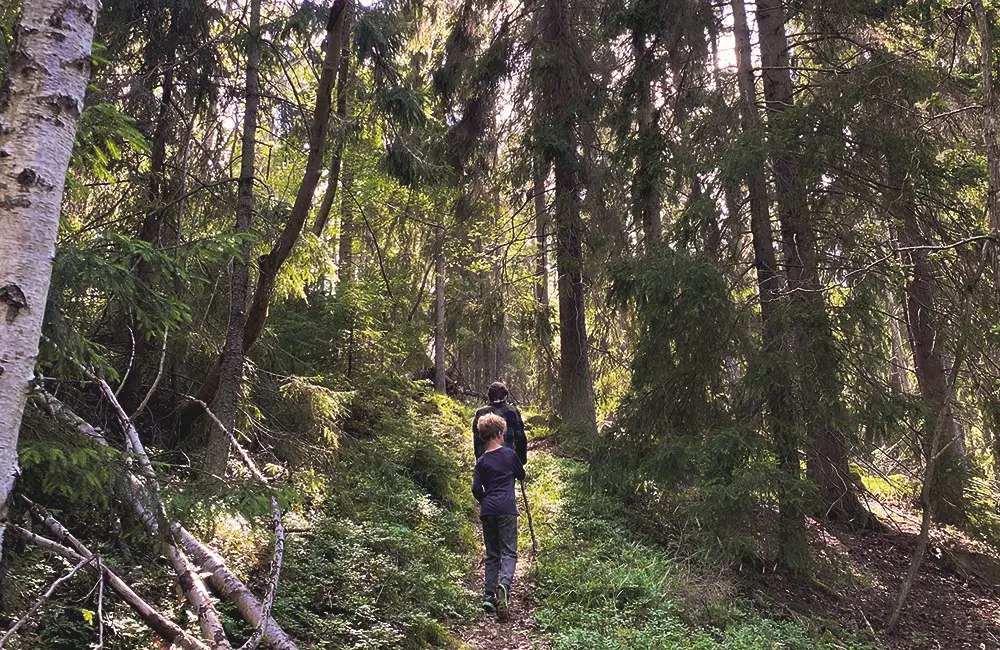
[514, 436]
[493, 486]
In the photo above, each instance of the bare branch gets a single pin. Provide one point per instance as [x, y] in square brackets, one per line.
[156, 382]
[156, 621]
[44, 598]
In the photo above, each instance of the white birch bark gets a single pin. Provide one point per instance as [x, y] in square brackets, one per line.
[39, 109]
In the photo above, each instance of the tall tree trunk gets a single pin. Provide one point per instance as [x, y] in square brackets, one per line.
[345, 240]
[157, 197]
[225, 405]
[541, 236]
[923, 319]
[899, 374]
[271, 263]
[440, 378]
[150, 232]
[985, 20]
[645, 182]
[578, 408]
[559, 99]
[818, 363]
[323, 216]
[793, 549]
[40, 104]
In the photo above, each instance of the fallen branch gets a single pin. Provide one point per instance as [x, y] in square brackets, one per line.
[222, 580]
[279, 530]
[196, 594]
[44, 598]
[167, 629]
[225, 583]
[156, 382]
[194, 589]
[272, 589]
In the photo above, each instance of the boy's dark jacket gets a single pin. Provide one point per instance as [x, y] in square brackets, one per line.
[514, 437]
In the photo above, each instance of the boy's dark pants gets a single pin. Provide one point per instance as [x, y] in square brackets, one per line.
[500, 538]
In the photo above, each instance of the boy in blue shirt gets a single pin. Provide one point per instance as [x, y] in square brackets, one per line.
[493, 486]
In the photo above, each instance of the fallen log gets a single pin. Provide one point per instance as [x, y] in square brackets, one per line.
[222, 580]
[164, 627]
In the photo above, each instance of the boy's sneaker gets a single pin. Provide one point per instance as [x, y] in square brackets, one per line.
[489, 603]
[503, 598]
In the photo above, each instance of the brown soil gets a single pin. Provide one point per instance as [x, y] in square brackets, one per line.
[948, 608]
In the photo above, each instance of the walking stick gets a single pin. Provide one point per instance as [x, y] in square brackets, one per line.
[531, 526]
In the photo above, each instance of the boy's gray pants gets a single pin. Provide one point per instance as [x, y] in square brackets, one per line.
[500, 538]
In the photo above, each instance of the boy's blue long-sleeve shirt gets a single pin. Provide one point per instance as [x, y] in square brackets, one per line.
[493, 481]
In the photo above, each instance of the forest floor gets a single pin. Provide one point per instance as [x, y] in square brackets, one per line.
[954, 603]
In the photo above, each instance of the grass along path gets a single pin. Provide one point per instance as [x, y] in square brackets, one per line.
[597, 585]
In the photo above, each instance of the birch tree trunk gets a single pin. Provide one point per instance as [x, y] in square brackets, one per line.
[226, 400]
[40, 105]
[818, 363]
[793, 549]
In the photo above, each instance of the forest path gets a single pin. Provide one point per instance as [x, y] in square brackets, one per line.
[519, 631]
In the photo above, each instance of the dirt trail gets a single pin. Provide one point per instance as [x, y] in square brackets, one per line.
[518, 632]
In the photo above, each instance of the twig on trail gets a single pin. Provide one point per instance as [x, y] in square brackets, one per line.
[531, 525]
[43, 599]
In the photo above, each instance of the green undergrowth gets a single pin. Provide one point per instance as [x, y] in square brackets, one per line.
[600, 586]
[383, 563]
[379, 548]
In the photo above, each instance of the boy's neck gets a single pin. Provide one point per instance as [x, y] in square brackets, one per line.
[494, 444]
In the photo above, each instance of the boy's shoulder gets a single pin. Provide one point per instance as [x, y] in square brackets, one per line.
[484, 410]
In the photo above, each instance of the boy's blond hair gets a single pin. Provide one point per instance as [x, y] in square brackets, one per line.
[490, 426]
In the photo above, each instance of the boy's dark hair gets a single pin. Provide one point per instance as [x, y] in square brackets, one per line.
[490, 426]
[498, 391]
